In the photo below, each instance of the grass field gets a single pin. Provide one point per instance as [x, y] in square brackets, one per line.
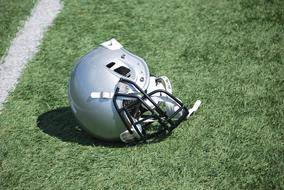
[229, 54]
[12, 14]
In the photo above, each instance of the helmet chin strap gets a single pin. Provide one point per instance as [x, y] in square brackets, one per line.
[194, 108]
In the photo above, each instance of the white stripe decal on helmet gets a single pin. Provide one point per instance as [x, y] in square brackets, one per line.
[105, 95]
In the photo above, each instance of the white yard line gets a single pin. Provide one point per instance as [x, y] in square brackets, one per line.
[26, 43]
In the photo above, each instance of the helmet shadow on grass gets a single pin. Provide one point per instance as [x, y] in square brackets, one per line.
[62, 124]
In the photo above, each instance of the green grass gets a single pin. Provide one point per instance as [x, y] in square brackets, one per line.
[229, 54]
[12, 15]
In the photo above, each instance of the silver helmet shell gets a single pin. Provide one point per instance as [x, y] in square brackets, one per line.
[99, 72]
[114, 97]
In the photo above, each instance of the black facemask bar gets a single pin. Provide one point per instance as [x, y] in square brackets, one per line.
[167, 122]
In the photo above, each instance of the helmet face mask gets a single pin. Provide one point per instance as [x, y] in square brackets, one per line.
[143, 110]
[114, 97]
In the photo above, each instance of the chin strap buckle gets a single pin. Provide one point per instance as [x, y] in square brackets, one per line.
[194, 108]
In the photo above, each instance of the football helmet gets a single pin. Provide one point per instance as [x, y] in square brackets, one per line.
[113, 95]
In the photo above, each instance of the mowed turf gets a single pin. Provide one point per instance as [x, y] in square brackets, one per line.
[229, 54]
[12, 16]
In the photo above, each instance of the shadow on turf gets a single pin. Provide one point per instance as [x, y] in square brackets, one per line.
[62, 124]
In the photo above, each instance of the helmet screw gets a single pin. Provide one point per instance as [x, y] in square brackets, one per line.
[122, 56]
[141, 79]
